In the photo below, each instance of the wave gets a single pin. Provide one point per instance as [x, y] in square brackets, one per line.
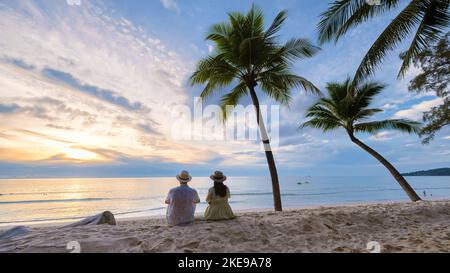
[55, 201]
[333, 192]
[76, 218]
[48, 193]
[139, 211]
[262, 193]
[43, 220]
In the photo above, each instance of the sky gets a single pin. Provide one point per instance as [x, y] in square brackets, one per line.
[91, 88]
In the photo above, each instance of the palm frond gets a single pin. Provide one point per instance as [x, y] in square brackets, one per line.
[231, 99]
[278, 90]
[320, 111]
[435, 20]
[332, 105]
[296, 49]
[255, 21]
[402, 125]
[301, 82]
[325, 125]
[343, 15]
[276, 25]
[366, 113]
[394, 34]
[346, 106]
[365, 93]
[213, 67]
[279, 85]
[214, 71]
[219, 31]
[338, 91]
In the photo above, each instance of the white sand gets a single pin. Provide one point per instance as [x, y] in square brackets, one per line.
[401, 227]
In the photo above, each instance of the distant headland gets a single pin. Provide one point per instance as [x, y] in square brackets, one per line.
[434, 172]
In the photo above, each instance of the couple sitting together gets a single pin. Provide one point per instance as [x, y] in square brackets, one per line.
[183, 199]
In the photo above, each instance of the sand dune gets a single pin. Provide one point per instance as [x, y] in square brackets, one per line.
[401, 227]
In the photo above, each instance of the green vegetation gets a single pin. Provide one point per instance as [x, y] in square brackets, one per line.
[434, 172]
[435, 77]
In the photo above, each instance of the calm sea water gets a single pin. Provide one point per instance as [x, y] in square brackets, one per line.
[55, 200]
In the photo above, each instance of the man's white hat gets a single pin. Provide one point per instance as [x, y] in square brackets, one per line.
[184, 177]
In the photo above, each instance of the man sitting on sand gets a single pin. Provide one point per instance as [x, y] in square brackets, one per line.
[182, 201]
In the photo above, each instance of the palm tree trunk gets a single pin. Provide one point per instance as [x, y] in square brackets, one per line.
[396, 174]
[269, 155]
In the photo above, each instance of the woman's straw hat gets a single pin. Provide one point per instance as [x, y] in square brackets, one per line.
[184, 177]
[218, 177]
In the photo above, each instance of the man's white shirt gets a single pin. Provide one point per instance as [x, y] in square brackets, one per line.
[182, 202]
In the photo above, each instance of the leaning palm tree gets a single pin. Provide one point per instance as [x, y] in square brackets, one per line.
[247, 56]
[348, 107]
[425, 20]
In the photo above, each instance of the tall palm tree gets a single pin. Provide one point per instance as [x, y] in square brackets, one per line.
[348, 107]
[425, 20]
[247, 56]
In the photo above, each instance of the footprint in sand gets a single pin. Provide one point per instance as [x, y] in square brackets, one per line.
[191, 245]
[307, 228]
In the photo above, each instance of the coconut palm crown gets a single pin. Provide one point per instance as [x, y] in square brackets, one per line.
[348, 107]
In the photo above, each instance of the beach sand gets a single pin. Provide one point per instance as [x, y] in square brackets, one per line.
[397, 227]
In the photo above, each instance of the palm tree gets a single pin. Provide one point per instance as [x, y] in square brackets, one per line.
[247, 56]
[348, 107]
[425, 20]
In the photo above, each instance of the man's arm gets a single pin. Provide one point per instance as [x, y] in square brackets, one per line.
[196, 198]
[169, 198]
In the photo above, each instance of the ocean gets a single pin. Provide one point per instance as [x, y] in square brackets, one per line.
[44, 201]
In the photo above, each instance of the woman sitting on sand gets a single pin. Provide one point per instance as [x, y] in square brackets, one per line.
[217, 198]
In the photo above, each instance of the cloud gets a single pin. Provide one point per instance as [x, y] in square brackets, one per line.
[64, 85]
[416, 111]
[46, 109]
[389, 106]
[106, 95]
[170, 5]
[59, 127]
[382, 136]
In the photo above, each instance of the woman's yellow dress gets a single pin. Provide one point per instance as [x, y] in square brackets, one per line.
[218, 208]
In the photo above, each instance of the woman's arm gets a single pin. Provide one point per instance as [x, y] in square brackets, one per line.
[209, 197]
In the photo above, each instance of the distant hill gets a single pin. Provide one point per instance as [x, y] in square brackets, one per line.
[434, 172]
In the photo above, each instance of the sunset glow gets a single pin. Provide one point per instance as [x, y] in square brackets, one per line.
[81, 155]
